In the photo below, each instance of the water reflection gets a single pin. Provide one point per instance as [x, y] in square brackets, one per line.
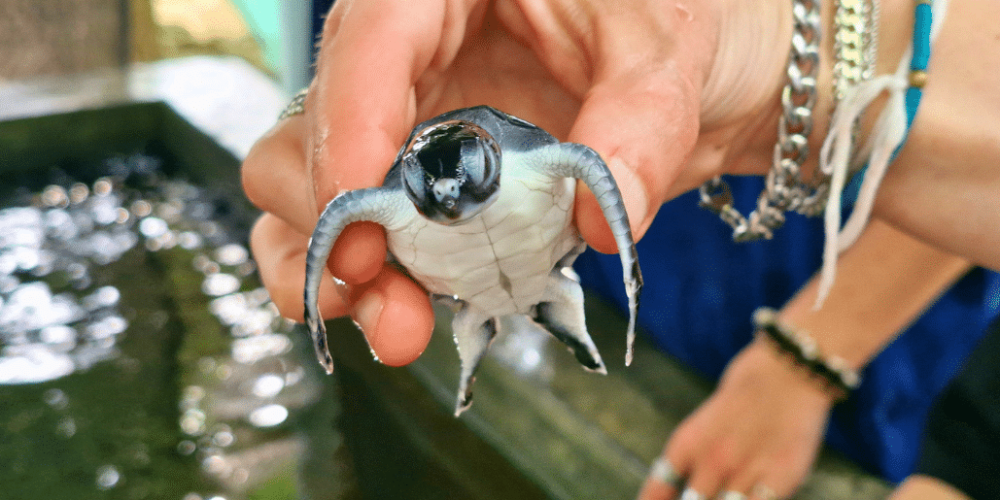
[59, 318]
[52, 320]
[268, 415]
[526, 348]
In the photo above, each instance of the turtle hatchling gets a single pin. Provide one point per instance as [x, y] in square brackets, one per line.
[478, 207]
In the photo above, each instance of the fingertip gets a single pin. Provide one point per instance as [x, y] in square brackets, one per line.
[653, 489]
[396, 315]
[359, 253]
[645, 128]
[280, 253]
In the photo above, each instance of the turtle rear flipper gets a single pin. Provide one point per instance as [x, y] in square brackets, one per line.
[561, 313]
[473, 332]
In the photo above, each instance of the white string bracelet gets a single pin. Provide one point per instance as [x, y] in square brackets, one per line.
[887, 137]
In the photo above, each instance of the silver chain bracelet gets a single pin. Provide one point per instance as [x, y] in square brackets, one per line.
[784, 189]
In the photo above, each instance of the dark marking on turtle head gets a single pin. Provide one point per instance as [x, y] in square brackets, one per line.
[451, 171]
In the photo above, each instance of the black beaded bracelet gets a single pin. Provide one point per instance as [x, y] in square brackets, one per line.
[802, 348]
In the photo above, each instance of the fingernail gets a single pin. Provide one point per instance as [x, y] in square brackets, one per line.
[632, 189]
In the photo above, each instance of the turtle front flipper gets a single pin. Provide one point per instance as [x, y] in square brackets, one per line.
[580, 162]
[561, 313]
[474, 331]
[384, 206]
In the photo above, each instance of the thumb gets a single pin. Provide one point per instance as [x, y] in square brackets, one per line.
[645, 128]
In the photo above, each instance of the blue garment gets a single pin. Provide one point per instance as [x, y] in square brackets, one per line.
[701, 289]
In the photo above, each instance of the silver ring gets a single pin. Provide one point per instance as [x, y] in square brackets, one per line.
[663, 471]
[763, 492]
[690, 494]
[297, 106]
[731, 495]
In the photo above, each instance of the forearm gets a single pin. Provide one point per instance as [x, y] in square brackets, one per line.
[884, 282]
[943, 186]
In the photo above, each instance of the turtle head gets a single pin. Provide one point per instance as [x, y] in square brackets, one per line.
[451, 171]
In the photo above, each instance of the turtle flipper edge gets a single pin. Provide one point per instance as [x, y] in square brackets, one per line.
[474, 331]
[377, 205]
[561, 313]
[580, 162]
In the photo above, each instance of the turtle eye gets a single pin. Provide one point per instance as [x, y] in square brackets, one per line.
[414, 177]
[479, 162]
[473, 164]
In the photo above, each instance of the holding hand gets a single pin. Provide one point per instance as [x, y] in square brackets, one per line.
[635, 81]
[756, 437]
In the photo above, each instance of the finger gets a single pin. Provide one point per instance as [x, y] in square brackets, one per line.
[645, 127]
[395, 315]
[744, 480]
[763, 491]
[681, 450]
[715, 458]
[662, 483]
[654, 489]
[275, 178]
[771, 482]
[280, 253]
[362, 104]
[394, 312]
[705, 479]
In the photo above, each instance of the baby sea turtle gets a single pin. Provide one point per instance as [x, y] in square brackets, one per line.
[478, 207]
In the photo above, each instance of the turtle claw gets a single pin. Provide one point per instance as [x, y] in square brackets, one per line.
[464, 400]
[633, 287]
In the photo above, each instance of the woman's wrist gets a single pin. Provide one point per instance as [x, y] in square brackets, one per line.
[761, 363]
[798, 346]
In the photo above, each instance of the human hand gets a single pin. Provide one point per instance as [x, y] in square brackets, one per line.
[635, 80]
[759, 432]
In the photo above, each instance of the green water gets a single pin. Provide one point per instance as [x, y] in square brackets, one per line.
[207, 394]
[69, 437]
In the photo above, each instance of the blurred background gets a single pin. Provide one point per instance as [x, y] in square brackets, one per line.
[52, 37]
[139, 356]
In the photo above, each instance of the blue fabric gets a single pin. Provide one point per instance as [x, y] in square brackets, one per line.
[701, 289]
